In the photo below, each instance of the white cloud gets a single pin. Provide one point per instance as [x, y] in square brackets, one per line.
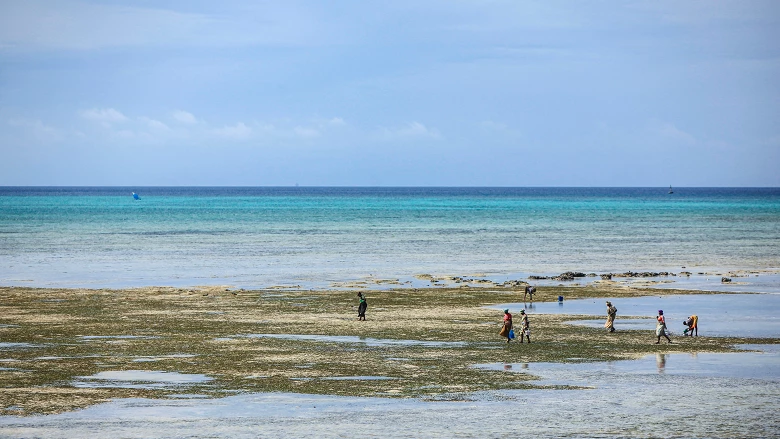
[125, 134]
[410, 130]
[337, 121]
[154, 124]
[184, 117]
[670, 131]
[103, 115]
[239, 131]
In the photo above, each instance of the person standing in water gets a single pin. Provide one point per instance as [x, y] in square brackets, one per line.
[525, 327]
[507, 326]
[362, 307]
[660, 327]
[611, 313]
[529, 291]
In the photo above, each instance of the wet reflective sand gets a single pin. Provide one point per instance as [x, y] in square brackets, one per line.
[674, 395]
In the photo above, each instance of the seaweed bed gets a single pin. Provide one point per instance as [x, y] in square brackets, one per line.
[58, 345]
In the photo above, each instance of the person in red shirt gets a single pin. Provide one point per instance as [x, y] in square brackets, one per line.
[507, 326]
[660, 327]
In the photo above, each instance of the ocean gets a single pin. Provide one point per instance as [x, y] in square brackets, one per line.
[252, 237]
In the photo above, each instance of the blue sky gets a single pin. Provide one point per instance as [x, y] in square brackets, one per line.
[398, 93]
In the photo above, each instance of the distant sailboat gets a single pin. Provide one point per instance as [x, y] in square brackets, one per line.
[670, 189]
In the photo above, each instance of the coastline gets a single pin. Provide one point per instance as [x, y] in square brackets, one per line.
[765, 280]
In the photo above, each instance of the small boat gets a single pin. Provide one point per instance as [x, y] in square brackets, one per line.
[135, 196]
[670, 189]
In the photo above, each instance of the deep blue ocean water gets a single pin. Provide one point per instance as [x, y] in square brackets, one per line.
[247, 237]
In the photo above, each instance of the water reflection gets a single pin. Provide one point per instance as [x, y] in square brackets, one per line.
[736, 395]
[660, 361]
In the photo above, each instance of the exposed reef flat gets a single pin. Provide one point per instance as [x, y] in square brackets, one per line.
[64, 349]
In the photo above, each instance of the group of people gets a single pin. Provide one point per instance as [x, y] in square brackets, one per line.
[691, 323]
[507, 330]
[691, 327]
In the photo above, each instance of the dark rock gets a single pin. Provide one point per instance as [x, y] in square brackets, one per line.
[725, 279]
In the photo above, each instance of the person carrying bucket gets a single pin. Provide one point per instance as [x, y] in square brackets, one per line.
[506, 329]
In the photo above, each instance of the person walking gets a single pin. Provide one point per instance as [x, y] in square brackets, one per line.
[507, 326]
[525, 328]
[362, 306]
[611, 313]
[660, 327]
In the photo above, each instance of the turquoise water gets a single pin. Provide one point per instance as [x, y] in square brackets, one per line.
[251, 237]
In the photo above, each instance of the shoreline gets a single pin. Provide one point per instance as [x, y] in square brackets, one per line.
[765, 280]
[423, 341]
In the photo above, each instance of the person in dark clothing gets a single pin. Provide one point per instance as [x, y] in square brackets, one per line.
[362, 307]
[529, 291]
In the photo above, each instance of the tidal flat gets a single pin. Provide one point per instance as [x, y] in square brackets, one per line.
[66, 349]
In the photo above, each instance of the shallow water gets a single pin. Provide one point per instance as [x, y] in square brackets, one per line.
[709, 395]
[764, 365]
[139, 379]
[258, 237]
[6, 345]
[736, 315]
[362, 340]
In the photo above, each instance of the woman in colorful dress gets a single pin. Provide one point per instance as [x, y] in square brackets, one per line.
[525, 327]
[660, 327]
[507, 326]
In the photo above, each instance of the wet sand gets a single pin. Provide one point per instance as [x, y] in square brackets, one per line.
[661, 395]
[65, 349]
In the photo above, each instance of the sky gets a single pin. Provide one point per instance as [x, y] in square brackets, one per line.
[390, 93]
